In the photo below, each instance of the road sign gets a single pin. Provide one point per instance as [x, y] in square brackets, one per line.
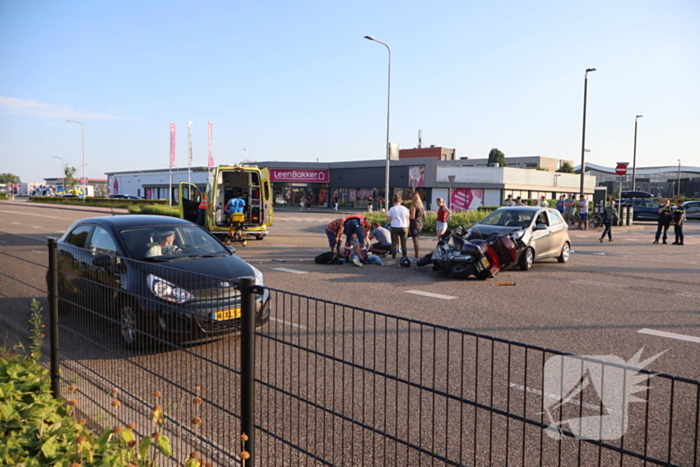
[621, 168]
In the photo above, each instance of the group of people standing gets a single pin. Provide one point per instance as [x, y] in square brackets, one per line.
[404, 222]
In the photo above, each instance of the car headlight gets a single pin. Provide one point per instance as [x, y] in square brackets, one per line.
[167, 290]
[518, 234]
[258, 276]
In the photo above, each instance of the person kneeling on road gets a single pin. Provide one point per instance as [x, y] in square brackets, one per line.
[383, 244]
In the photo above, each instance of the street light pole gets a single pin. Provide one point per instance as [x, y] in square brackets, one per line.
[634, 157]
[83, 126]
[388, 124]
[583, 138]
[63, 169]
[679, 178]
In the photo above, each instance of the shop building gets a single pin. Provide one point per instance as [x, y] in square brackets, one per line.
[355, 184]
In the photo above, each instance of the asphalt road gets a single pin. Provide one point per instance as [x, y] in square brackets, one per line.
[596, 304]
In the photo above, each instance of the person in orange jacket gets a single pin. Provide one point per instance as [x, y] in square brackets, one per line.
[202, 210]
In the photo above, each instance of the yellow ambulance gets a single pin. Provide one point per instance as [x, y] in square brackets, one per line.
[249, 183]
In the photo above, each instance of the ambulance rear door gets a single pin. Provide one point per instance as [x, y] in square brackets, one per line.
[268, 217]
[189, 197]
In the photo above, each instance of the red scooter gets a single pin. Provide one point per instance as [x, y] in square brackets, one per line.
[480, 258]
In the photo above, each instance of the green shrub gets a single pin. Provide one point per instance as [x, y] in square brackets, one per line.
[101, 202]
[462, 218]
[172, 211]
[3, 196]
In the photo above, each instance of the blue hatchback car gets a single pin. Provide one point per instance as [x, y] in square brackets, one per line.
[644, 209]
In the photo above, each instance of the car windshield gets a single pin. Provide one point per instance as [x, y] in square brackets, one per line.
[171, 243]
[510, 217]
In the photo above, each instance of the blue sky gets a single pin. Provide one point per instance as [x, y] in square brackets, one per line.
[297, 81]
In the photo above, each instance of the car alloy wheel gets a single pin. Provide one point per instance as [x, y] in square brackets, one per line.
[526, 259]
[565, 251]
[129, 326]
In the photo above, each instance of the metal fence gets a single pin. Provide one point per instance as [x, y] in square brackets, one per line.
[338, 385]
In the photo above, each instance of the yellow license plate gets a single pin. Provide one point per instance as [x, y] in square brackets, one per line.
[226, 314]
[485, 262]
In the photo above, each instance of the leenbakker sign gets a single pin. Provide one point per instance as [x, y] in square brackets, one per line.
[284, 175]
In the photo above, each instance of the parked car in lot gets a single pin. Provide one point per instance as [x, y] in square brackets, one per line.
[644, 209]
[539, 232]
[692, 209]
[161, 275]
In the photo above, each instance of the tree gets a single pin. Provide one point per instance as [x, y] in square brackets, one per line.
[565, 168]
[497, 156]
[69, 176]
[9, 178]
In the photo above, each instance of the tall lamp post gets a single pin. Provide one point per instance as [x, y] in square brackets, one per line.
[63, 169]
[679, 178]
[388, 121]
[83, 126]
[634, 156]
[583, 138]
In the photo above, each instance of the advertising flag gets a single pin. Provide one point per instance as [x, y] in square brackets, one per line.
[189, 144]
[172, 144]
[211, 154]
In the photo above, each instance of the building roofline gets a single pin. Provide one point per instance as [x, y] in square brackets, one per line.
[641, 170]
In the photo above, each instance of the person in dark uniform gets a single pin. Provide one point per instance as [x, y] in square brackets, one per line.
[665, 216]
[678, 219]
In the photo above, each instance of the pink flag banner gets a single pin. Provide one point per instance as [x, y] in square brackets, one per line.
[211, 154]
[172, 144]
[189, 144]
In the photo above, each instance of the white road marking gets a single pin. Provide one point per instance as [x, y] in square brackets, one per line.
[430, 294]
[554, 396]
[582, 236]
[597, 284]
[37, 227]
[293, 271]
[689, 294]
[37, 251]
[17, 223]
[288, 323]
[35, 215]
[631, 239]
[670, 335]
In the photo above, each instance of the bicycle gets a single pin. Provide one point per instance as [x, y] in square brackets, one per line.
[595, 220]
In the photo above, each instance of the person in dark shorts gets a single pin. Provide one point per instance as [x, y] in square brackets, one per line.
[415, 227]
[354, 229]
[678, 219]
[665, 216]
[334, 231]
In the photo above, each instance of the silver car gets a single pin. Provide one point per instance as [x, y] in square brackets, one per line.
[539, 232]
[692, 209]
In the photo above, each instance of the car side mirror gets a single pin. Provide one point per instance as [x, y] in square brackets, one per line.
[479, 222]
[540, 227]
[230, 248]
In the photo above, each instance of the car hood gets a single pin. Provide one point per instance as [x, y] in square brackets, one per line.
[482, 231]
[199, 270]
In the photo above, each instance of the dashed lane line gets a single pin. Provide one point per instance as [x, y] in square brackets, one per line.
[294, 325]
[670, 335]
[293, 271]
[430, 294]
[597, 284]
